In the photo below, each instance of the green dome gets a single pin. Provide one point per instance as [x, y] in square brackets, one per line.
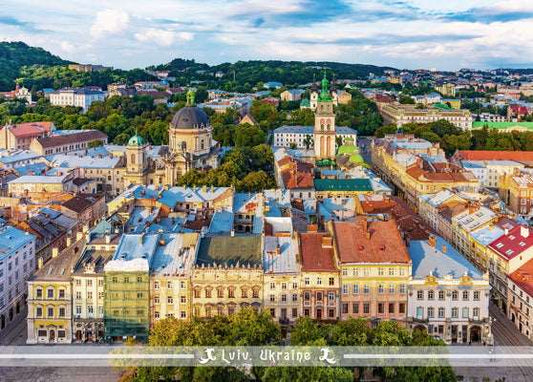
[136, 141]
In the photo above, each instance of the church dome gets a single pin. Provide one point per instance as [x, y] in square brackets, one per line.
[136, 140]
[190, 117]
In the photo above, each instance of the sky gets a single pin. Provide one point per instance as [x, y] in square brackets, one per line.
[410, 34]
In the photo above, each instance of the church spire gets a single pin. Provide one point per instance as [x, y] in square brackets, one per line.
[190, 97]
[324, 93]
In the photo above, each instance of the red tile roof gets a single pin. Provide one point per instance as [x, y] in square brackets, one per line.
[518, 156]
[31, 129]
[296, 174]
[517, 240]
[370, 242]
[317, 252]
[523, 277]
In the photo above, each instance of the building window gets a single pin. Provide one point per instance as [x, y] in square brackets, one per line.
[319, 281]
[306, 281]
[355, 307]
[344, 289]
[465, 312]
[231, 292]
[381, 308]
[475, 313]
[381, 288]
[50, 293]
[465, 295]
[39, 312]
[331, 296]
[345, 308]
[170, 300]
[420, 295]
[391, 288]
[156, 285]
[50, 312]
[61, 293]
[455, 295]
[391, 308]
[431, 295]
[441, 295]
[476, 296]
[366, 307]
[441, 312]
[403, 289]
[61, 312]
[183, 299]
[455, 312]
[419, 312]
[331, 281]
[431, 312]
[294, 297]
[401, 308]
[39, 293]
[356, 289]
[366, 289]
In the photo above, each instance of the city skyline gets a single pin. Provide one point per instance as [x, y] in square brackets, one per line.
[402, 34]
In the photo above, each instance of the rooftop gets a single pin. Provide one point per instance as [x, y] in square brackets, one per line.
[361, 185]
[11, 239]
[515, 242]
[279, 255]
[316, 251]
[434, 260]
[230, 250]
[370, 242]
[523, 277]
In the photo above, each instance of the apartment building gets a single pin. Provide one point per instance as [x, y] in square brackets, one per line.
[399, 115]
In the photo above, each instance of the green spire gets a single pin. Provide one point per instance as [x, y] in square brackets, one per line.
[190, 97]
[324, 93]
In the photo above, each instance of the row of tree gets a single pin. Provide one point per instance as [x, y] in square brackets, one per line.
[250, 328]
[452, 138]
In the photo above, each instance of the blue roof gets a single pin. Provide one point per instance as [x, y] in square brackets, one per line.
[221, 222]
[432, 260]
[12, 238]
[279, 255]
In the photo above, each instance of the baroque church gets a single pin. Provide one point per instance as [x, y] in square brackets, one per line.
[191, 146]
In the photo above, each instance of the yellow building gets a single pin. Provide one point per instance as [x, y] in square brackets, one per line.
[170, 278]
[447, 89]
[516, 190]
[319, 277]
[375, 269]
[397, 158]
[399, 115]
[228, 275]
[49, 301]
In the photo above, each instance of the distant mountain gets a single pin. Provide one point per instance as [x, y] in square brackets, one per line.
[15, 55]
[252, 72]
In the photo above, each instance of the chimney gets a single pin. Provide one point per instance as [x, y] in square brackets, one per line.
[39, 262]
[524, 231]
[79, 236]
[107, 238]
[55, 252]
[432, 241]
[327, 241]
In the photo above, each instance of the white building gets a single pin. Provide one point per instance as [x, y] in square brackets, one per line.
[448, 296]
[295, 136]
[17, 263]
[79, 97]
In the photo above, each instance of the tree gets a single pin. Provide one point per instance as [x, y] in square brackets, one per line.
[308, 141]
[406, 99]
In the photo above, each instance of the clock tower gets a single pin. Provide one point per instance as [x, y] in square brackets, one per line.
[324, 130]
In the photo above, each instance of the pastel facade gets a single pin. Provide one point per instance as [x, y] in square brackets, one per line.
[399, 115]
[77, 97]
[375, 269]
[448, 296]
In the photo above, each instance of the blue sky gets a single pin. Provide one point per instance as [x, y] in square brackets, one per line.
[410, 34]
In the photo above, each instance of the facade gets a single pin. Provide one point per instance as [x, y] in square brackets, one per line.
[375, 269]
[324, 131]
[292, 95]
[170, 276]
[448, 296]
[20, 136]
[301, 137]
[17, 263]
[399, 115]
[516, 190]
[417, 167]
[50, 300]
[282, 296]
[520, 299]
[127, 287]
[446, 89]
[78, 97]
[228, 275]
[74, 141]
[319, 277]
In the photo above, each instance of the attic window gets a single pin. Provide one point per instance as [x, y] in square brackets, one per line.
[499, 245]
[522, 244]
[509, 252]
[512, 237]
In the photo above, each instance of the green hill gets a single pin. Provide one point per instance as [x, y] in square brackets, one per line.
[15, 55]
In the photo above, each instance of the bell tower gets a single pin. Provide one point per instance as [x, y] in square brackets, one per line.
[324, 130]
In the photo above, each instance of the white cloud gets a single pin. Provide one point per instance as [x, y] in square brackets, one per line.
[162, 37]
[109, 22]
